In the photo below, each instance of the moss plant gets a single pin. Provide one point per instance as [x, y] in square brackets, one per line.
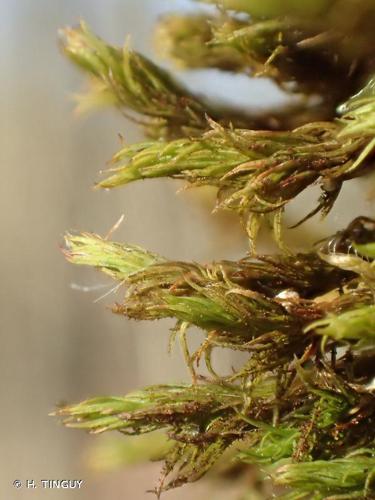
[302, 405]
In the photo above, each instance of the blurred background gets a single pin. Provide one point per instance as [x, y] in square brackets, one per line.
[58, 342]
